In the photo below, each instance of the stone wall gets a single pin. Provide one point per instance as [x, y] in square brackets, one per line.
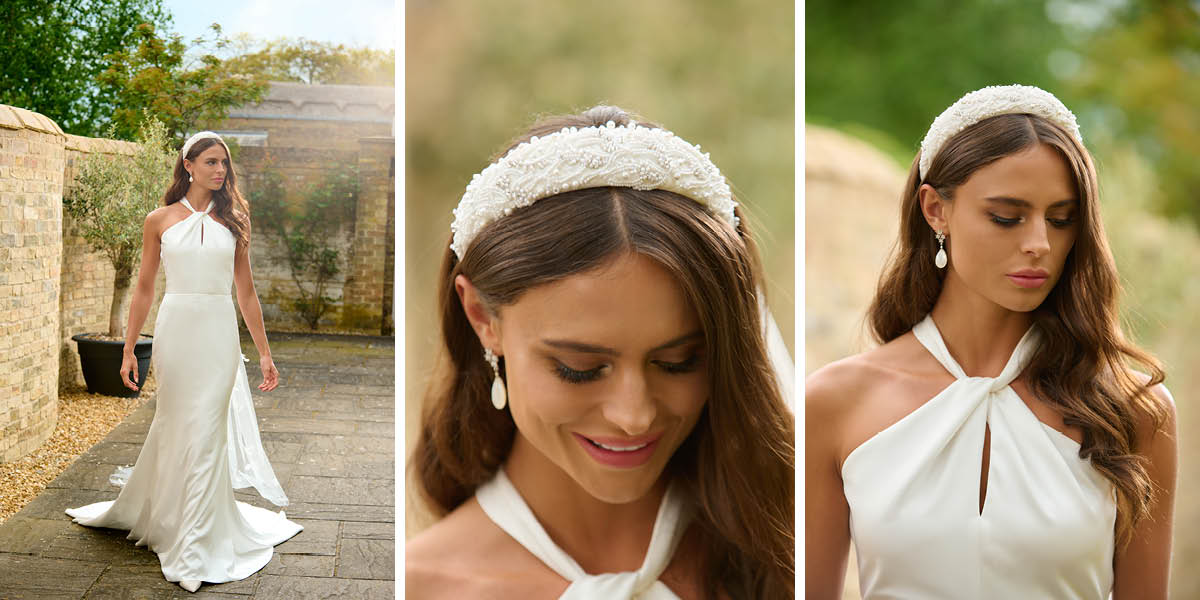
[31, 184]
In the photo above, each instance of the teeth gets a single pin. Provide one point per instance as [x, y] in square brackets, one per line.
[619, 448]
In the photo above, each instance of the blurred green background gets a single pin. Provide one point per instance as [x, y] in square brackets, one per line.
[478, 73]
[879, 72]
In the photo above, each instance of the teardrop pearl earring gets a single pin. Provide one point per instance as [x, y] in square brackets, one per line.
[499, 394]
[189, 177]
[940, 259]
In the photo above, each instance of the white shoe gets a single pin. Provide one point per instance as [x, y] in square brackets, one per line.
[190, 585]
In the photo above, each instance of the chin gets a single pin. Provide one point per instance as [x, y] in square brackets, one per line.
[605, 490]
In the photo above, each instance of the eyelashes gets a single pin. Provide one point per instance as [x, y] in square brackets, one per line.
[1014, 221]
[570, 375]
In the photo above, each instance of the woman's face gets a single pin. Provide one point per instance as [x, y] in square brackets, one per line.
[606, 373]
[1010, 227]
[208, 169]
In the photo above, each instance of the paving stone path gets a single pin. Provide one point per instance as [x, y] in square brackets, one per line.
[329, 431]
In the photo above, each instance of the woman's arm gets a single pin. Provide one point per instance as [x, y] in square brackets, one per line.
[247, 299]
[1141, 569]
[143, 297]
[826, 514]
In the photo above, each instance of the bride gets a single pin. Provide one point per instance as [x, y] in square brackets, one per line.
[612, 426]
[204, 441]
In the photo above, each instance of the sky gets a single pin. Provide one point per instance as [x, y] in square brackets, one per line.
[352, 22]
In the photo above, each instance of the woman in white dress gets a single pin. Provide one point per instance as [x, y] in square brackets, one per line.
[998, 443]
[204, 441]
[610, 425]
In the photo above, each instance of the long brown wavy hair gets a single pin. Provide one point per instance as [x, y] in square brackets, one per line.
[228, 202]
[1082, 367]
[737, 465]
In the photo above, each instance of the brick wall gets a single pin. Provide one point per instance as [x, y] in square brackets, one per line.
[31, 183]
[304, 152]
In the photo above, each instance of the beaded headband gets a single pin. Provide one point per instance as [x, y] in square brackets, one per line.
[576, 158]
[989, 102]
[197, 137]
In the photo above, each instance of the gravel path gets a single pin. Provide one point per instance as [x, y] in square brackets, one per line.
[83, 420]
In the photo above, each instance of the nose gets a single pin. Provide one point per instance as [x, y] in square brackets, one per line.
[631, 405]
[1037, 239]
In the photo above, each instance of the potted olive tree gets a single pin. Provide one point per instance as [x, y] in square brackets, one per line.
[109, 200]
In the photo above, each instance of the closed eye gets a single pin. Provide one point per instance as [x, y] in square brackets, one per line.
[686, 366]
[1004, 221]
[576, 376]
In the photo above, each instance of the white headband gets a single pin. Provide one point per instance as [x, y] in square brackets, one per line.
[199, 136]
[576, 158]
[989, 102]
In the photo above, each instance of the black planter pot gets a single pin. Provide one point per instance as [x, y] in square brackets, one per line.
[101, 362]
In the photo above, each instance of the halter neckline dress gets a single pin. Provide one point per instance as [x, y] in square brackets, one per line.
[504, 505]
[1047, 523]
[204, 440]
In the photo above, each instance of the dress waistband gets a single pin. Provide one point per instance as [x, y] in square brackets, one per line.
[230, 296]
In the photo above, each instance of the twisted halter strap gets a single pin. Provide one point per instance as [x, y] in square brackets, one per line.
[504, 505]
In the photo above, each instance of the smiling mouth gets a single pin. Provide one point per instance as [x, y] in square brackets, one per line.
[619, 455]
[617, 448]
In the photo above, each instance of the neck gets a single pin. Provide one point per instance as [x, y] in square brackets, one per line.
[198, 196]
[980, 334]
[601, 537]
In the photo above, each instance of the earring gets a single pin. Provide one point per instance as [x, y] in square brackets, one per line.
[499, 395]
[189, 177]
[940, 259]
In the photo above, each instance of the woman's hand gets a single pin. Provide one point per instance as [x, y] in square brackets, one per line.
[270, 374]
[129, 367]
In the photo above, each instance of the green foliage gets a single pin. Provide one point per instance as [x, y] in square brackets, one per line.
[307, 230]
[54, 52]
[307, 61]
[893, 66]
[184, 94]
[1140, 77]
[111, 196]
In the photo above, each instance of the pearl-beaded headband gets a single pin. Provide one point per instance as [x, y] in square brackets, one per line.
[989, 102]
[576, 158]
[199, 136]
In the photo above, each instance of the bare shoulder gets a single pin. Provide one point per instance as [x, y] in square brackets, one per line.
[466, 555]
[844, 384]
[851, 400]
[1166, 401]
[158, 215]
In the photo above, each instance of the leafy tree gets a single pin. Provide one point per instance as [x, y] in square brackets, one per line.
[183, 93]
[308, 61]
[307, 231]
[1140, 77]
[109, 200]
[54, 51]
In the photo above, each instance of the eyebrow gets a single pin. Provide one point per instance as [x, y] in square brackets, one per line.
[594, 349]
[1025, 203]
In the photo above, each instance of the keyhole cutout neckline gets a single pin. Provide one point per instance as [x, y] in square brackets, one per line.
[930, 337]
[203, 214]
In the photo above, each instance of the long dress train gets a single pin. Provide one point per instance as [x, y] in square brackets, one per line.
[204, 441]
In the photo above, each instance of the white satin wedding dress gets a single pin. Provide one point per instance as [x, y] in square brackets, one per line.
[204, 440]
[1046, 526]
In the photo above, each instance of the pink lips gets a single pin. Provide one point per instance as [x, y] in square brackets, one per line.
[629, 452]
[1029, 278]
